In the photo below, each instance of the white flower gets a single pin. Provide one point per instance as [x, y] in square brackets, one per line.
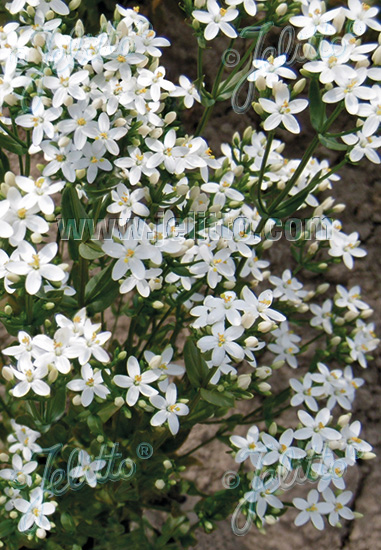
[62, 158]
[261, 306]
[87, 468]
[323, 316]
[93, 161]
[347, 247]
[36, 265]
[39, 191]
[66, 85]
[261, 494]
[216, 19]
[288, 288]
[169, 409]
[305, 393]
[18, 5]
[282, 109]
[40, 120]
[137, 163]
[314, 19]
[34, 511]
[82, 116]
[340, 509]
[23, 440]
[270, 69]
[167, 153]
[249, 446]
[91, 384]
[56, 350]
[250, 6]
[373, 113]
[330, 469]
[332, 58]
[20, 472]
[222, 342]
[213, 266]
[6, 229]
[316, 429]
[130, 254]
[285, 350]
[155, 81]
[281, 451]
[90, 344]
[349, 87]
[136, 382]
[363, 145]
[312, 510]
[160, 364]
[352, 443]
[215, 310]
[350, 299]
[223, 190]
[188, 91]
[58, 6]
[30, 379]
[104, 137]
[363, 15]
[125, 203]
[22, 216]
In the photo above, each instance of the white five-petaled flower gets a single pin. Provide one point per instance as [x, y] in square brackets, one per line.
[271, 69]
[19, 472]
[214, 266]
[188, 91]
[40, 120]
[90, 384]
[38, 192]
[363, 15]
[87, 468]
[216, 19]
[282, 110]
[36, 265]
[105, 138]
[222, 342]
[340, 510]
[316, 429]
[34, 511]
[126, 203]
[169, 409]
[349, 87]
[281, 451]
[312, 509]
[30, 379]
[249, 447]
[136, 382]
[262, 494]
[314, 19]
[90, 343]
[66, 85]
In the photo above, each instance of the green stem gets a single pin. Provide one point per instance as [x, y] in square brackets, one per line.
[27, 156]
[12, 135]
[83, 278]
[29, 308]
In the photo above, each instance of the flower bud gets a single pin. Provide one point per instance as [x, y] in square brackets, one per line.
[251, 342]
[338, 208]
[335, 341]
[170, 117]
[79, 29]
[260, 84]
[266, 326]
[339, 20]
[303, 308]
[281, 9]
[257, 108]
[154, 178]
[344, 420]
[263, 372]
[53, 375]
[229, 285]
[4, 457]
[350, 316]
[120, 122]
[34, 56]
[264, 387]
[122, 355]
[156, 133]
[376, 57]
[74, 4]
[199, 4]
[267, 244]
[243, 381]
[309, 51]
[40, 533]
[36, 238]
[167, 464]
[49, 15]
[13, 277]
[10, 179]
[13, 514]
[277, 364]
[76, 400]
[157, 304]
[368, 456]
[248, 319]
[80, 173]
[160, 484]
[299, 86]
[8, 310]
[119, 402]
[366, 313]
[323, 265]
[273, 428]
[321, 289]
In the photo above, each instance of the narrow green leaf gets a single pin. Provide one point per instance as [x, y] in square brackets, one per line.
[9, 144]
[317, 106]
[91, 250]
[196, 368]
[217, 398]
[332, 143]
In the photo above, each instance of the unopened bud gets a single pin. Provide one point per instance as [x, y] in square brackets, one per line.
[229, 285]
[4, 457]
[74, 4]
[257, 108]
[376, 57]
[338, 208]
[350, 316]
[8, 310]
[160, 484]
[40, 533]
[263, 372]
[281, 9]
[244, 381]
[119, 401]
[260, 84]
[366, 313]
[309, 51]
[157, 304]
[53, 375]
[7, 373]
[335, 341]
[251, 342]
[368, 456]
[167, 464]
[299, 86]
[170, 117]
[264, 387]
[76, 400]
[273, 428]
[248, 319]
[266, 326]
[344, 420]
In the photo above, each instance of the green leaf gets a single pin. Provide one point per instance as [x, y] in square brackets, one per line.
[196, 368]
[332, 143]
[9, 144]
[95, 424]
[56, 406]
[99, 285]
[75, 225]
[91, 250]
[317, 106]
[6, 528]
[217, 398]
[107, 412]
[67, 522]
